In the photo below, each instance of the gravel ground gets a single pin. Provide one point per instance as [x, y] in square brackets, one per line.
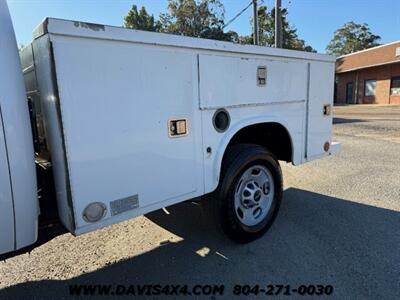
[339, 225]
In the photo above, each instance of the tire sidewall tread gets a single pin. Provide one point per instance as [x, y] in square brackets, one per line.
[239, 158]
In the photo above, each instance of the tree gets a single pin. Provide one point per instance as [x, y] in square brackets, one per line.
[352, 37]
[290, 39]
[196, 18]
[141, 20]
[266, 24]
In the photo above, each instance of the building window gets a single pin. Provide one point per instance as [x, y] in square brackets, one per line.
[395, 86]
[369, 87]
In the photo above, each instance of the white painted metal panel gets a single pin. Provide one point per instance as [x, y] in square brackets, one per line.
[116, 99]
[232, 81]
[113, 33]
[289, 115]
[17, 134]
[54, 137]
[6, 200]
[321, 93]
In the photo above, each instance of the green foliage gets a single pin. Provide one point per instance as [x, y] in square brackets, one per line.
[205, 19]
[352, 37]
[266, 24]
[196, 18]
[141, 20]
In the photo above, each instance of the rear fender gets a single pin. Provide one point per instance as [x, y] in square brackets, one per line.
[216, 169]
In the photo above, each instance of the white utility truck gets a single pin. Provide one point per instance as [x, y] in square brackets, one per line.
[120, 122]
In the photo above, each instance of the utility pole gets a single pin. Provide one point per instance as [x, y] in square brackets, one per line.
[278, 24]
[255, 23]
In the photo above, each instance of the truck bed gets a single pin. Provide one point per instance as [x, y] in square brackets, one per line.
[105, 97]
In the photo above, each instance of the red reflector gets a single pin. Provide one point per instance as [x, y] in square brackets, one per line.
[327, 145]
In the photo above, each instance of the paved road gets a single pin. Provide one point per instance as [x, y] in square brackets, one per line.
[339, 224]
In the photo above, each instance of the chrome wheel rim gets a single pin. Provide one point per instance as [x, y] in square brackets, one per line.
[253, 195]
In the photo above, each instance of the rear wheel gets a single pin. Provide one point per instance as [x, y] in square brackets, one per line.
[250, 192]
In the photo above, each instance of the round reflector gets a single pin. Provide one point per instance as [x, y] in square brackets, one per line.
[94, 212]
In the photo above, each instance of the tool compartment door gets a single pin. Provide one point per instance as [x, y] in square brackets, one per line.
[320, 94]
[6, 200]
[227, 81]
[116, 112]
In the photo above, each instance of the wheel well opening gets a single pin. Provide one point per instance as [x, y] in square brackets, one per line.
[272, 136]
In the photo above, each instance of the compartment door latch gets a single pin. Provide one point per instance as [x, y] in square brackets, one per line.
[327, 111]
[177, 127]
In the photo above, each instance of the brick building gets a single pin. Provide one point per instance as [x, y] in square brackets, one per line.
[369, 76]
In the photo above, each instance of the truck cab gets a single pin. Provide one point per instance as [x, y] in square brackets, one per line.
[19, 207]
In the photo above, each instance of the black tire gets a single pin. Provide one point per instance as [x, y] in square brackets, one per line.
[240, 158]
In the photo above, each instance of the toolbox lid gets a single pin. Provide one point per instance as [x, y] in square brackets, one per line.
[98, 31]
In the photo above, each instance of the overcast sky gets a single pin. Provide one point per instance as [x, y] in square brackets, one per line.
[316, 20]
